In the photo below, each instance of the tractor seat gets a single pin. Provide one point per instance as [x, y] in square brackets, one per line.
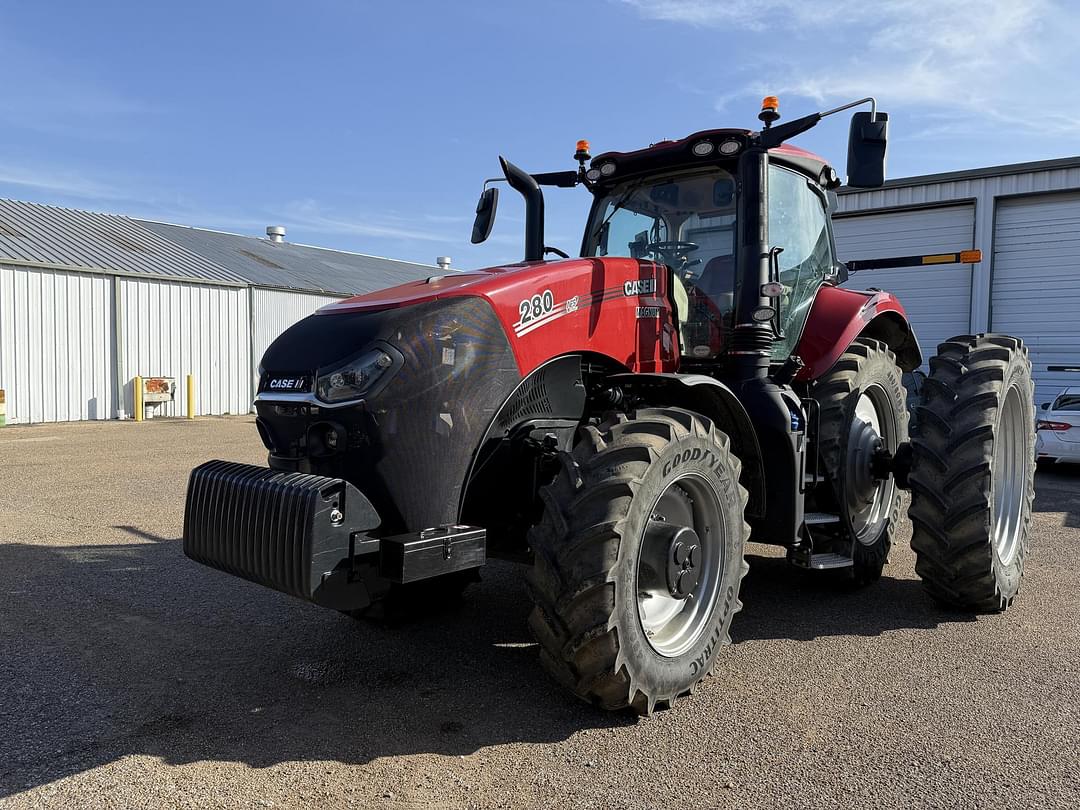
[717, 281]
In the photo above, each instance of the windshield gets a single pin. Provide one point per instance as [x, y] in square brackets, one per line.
[686, 221]
[1067, 402]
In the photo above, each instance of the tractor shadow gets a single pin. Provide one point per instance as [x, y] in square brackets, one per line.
[1057, 489]
[128, 648]
[784, 602]
[131, 649]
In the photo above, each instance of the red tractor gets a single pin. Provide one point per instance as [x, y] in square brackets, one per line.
[625, 421]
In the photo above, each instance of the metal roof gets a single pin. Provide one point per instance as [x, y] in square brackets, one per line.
[973, 174]
[48, 236]
[37, 234]
[292, 266]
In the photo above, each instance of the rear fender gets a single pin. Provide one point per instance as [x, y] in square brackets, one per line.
[838, 316]
[714, 400]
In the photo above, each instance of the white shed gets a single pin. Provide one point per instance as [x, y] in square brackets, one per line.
[89, 301]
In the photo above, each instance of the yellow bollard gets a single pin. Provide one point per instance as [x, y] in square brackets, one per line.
[190, 396]
[140, 410]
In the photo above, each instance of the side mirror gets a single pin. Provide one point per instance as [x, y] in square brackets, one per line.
[867, 144]
[1045, 406]
[485, 215]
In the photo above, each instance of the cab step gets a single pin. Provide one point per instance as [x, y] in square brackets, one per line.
[820, 518]
[821, 562]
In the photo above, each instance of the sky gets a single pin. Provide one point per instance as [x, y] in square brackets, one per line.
[370, 126]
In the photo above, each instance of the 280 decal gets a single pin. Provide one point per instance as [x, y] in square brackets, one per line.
[538, 306]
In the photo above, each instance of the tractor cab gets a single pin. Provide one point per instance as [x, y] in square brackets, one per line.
[740, 219]
[683, 213]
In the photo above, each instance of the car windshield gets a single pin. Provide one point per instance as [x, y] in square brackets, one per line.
[1067, 402]
[686, 221]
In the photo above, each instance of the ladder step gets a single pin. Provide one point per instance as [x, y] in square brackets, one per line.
[811, 478]
[815, 518]
[823, 562]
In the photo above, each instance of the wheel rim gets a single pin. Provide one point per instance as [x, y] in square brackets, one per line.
[869, 498]
[677, 585]
[1008, 477]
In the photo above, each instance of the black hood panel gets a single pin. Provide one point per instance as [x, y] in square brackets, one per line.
[408, 448]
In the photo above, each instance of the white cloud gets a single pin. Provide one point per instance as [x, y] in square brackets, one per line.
[312, 216]
[1006, 61]
[53, 181]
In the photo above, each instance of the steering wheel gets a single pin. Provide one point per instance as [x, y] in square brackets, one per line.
[678, 246]
[673, 253]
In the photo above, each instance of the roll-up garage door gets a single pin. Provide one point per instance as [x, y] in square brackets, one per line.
[1036, 284]
[937, 298]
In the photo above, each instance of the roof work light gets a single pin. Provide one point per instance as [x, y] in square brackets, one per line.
[770, 110]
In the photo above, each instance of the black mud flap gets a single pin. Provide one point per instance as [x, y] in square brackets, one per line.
[289, 531]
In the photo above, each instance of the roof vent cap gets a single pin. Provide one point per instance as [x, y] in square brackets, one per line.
[443, 262]
[276, 233]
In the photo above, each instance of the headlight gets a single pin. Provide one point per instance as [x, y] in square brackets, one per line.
[354, 378]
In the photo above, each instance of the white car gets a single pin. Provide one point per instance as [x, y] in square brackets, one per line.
[1058, 426]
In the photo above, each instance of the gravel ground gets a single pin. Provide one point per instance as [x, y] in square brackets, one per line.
[132, 677]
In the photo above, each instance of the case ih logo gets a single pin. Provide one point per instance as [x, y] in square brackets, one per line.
[641, 286]
[290, 383]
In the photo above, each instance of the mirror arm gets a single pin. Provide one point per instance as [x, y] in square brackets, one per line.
[774, 136]
[559, 179]
[848, 106]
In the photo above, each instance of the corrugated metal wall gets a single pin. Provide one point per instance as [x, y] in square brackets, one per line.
[1010, 277]
[58, 351]
[984, 191]
[937, 299]
[56, 347]
[173, 329]
[274, 311]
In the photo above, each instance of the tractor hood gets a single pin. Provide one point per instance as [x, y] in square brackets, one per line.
[473, 282]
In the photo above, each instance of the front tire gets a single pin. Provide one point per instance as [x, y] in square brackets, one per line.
[973, 472]
[639, 559]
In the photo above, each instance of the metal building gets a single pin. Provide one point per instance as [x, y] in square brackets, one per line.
[1025, 218]
[89, 301]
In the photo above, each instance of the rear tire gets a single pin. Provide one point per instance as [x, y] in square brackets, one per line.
[973, 472]
[607, 559]
[864, 379]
